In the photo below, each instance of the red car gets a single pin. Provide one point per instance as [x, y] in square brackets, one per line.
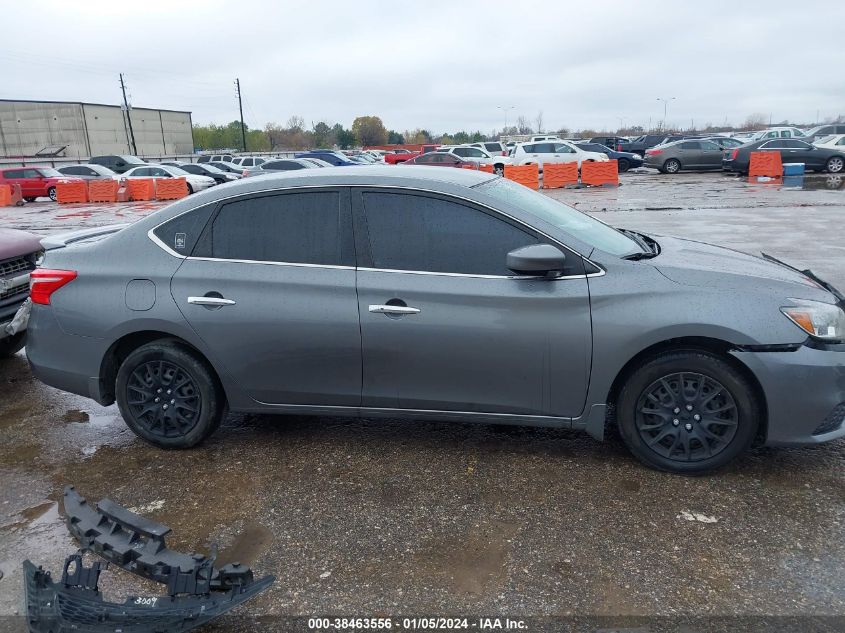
[35, 182]
[438, 159]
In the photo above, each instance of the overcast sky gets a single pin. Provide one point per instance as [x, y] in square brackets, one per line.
[437, 64]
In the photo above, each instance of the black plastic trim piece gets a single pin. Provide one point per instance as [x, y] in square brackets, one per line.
[137, 544]
[782, 347]
[76, 605]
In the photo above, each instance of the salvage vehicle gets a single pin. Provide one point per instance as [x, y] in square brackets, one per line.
[670, 158]
[194, 182]
[205, 169]
[477, 156]
[792, 150]
[35, 182]
[19, 252]
[448, 294]
[553, 152]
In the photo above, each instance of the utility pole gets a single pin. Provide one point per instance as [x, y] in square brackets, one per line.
[505, 110]
[128, 117]
[241, 108]
[665, 105]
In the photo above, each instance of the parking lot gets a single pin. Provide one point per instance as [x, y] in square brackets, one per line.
[387, 517]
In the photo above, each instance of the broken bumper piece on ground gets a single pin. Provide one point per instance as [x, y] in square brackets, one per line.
[137, 545]
[76, 604]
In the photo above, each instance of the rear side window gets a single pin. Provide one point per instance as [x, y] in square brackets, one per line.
[282, 165]
[691, 145]
[13, 173]
[298, 228]
[420, 233]
[182, 232]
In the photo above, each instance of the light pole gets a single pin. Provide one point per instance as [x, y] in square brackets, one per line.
[665, 106]
[505, 110]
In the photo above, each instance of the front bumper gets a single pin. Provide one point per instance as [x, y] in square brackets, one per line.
[804, 392]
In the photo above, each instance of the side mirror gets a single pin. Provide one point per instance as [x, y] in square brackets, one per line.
[537, 259]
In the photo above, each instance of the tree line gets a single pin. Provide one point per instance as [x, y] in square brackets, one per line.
[295, 134]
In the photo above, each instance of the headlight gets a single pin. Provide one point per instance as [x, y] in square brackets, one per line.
[822, 320]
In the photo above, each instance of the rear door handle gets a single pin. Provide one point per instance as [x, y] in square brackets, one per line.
[388, 309]
[211, 301]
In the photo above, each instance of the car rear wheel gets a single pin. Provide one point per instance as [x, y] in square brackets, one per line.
[623, 165]
[11, 345]
[672, 166]
[190, 189]
[687, 412]
[52, 193]
[499, 170]
[835, 164]
[168, 396]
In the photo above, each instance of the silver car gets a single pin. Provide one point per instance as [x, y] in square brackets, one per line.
[697, 154]
[442, 294]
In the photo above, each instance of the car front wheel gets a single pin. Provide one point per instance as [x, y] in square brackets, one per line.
[687, 412]
[623, 165]
[169, 396]
[835, 164]
[52, 193]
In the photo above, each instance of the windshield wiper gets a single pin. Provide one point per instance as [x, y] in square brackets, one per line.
[649, 246]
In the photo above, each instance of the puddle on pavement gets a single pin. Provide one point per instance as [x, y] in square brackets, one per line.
[75, 415]
[247, 546]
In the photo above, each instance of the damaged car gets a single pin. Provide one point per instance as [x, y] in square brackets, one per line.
[438, 294]
[19, 253]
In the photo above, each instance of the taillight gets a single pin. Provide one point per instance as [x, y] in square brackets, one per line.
[654, 152]
[43, 282]
[734, 153]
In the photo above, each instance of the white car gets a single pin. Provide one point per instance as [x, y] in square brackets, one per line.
[778, 132]
[248, 161]
[553, 152]
[493, 148]
[478, 156]
[195, 183]
[832, 141]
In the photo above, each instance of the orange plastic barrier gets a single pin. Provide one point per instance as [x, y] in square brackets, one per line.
[469, 166]
[528, 175]
[123, 191]
[17, 196]
[603, 173]
[171, 188]
[559, 175]
[102, 190]
[765, 164]
[70, 191]
[488, 168]
[141, 188]
[5, 195]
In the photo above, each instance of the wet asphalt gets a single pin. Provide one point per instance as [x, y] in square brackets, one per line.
[379, 517]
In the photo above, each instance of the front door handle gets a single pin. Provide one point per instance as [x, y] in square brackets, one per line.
[211, 301]
[389, 309]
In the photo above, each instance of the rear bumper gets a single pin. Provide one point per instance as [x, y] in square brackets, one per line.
[804, 391]
[64, 361]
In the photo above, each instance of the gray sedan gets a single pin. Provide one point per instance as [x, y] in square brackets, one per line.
[437, 294]
[685, 154]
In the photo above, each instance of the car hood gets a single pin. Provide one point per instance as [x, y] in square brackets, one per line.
[14, 243]
[700, 264]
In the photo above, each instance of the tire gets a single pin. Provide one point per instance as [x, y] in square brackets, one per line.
[190, 189]
[142, 388]
[29, 199]
[671, 166]
[52, 193]
[11, 345]
[499, 170]
[623, 165]
[654, 413]
[835, 164]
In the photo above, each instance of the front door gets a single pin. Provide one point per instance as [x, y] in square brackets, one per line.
[447, 327]
[270, 288]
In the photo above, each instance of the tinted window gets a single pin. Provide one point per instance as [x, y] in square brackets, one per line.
[13, 173]
[798, 144]
[493, 147]
[691, 145]
[282, 165]
[193, 169]
[31, 173]
[74, 171]
[592, 147]
[182, 232]
[302, 228]
[427, 159]
[462, 151]
[544, 148]
[412, 232]
[563, 148]
[709, 145]
[528, 149]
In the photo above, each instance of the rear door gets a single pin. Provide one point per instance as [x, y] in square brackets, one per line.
[270, 288]
[446, 326]
[711, 155]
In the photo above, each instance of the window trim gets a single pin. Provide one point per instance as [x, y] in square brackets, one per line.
[600, 270]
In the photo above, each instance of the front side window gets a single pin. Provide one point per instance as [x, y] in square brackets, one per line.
[73, 171]
[299, 228]
[421, 233]
[563, 148]
[49, 172]
[710, 145]
[544, 148]
[579, 225]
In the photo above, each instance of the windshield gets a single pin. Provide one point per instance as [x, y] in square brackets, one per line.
[213, 169]
[49, 172]
[132, 160]
[577, 224]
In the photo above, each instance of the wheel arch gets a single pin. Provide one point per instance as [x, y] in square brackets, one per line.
[128, 343]
[718, 347]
